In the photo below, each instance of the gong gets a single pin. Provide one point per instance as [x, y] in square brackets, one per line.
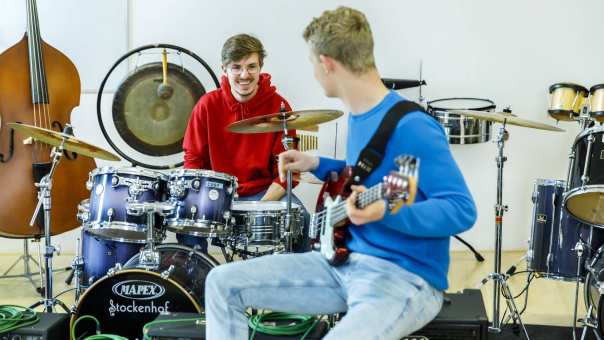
[152, 117]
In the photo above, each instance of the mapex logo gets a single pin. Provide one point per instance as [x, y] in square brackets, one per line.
[138, 290]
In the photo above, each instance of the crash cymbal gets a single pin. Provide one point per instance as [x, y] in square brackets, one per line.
[71, 143]
[501, 117]
[274, 122]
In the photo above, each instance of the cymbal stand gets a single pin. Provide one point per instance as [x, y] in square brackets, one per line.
[45, 202]
[500, 279]
[27, 268]
[290, 232]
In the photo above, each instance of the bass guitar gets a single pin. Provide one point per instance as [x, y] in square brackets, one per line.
[328, 226]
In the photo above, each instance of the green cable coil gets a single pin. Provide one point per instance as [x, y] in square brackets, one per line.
[303, 324]
[97, 336]
[13, 317]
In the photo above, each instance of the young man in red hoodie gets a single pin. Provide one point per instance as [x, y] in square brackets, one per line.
[244, 92]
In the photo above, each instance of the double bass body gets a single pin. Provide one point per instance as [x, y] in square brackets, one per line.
[18, 195]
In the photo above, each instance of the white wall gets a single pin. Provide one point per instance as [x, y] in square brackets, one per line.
[507, 51]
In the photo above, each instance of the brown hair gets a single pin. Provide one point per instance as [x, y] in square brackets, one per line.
[240, 46]
[344, 35]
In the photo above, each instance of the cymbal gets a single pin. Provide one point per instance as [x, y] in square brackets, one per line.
[72, 144]
[501, 117]
[274, 122]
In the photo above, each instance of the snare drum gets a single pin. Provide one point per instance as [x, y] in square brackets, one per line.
[585, 196]
[596, 102]
[261, 224]
[203, 201]
[461, 129]
[555, 234]
[111, 188]
[566, 101]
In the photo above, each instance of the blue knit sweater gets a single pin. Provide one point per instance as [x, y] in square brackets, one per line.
[417, 236]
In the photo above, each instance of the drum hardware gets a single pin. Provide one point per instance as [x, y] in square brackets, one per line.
[77, 266]
[149, 256]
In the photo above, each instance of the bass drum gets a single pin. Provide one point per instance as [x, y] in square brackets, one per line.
[124, 301]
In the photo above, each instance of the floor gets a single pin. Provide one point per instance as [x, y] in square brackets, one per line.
[550, 301]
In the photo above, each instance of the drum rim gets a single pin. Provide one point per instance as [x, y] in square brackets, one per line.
[204, 173]
[593, 129]
[481, 108]
[260, 203]
[585, 189]
[576, 87]
[75, 315]
[176, 226]
[208, 257]
[128, 171]
[549, 181]
[99, 226]
[596, 87]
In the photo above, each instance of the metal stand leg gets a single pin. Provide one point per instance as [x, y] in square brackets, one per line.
[27, 273]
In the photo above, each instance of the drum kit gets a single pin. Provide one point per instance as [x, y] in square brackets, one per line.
[567, 239]
[122, 269]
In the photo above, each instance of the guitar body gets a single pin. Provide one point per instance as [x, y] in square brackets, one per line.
[329, 225]
[332, 239]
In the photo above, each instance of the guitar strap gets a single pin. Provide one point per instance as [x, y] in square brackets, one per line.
[373, 153]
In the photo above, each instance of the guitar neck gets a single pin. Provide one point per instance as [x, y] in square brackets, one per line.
[364, 199]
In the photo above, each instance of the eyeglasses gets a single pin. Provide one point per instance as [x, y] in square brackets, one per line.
[238, 69]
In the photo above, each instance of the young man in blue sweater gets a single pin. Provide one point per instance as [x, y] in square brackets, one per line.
[392, 282]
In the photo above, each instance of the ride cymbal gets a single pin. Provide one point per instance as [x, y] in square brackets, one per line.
[274, 122]
[72, 144]
[503, 117]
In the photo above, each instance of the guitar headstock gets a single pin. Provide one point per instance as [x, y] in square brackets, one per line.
[400, 187]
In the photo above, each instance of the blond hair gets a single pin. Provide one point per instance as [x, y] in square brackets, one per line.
[240, 46]
[344, 35]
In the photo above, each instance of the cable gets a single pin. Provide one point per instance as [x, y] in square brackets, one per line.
[149, 324]
[13, 317]
[303, 324]
[98, 335]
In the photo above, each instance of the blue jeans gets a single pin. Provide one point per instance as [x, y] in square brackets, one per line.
[381, 299]
[300, 246]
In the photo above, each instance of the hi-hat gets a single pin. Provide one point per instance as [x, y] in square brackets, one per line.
[274, 122]
[503, 117]
[71, 143]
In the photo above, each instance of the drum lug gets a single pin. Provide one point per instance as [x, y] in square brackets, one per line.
[114, 270]
[226, 215]
[89, 184]
[535, 196]
[193, 212]
[195, 184]
[166, 273]
[110, 213]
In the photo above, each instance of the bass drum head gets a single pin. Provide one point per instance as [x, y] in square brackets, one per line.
[190, 267]
[124, 302]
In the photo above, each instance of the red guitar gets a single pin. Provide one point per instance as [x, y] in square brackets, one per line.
[329, 224]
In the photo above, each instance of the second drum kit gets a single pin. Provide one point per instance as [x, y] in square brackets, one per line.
[567, 233]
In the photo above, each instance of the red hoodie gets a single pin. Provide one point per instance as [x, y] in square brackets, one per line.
[249, 157]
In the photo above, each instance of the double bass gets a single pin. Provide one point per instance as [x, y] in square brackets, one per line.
[39, 86]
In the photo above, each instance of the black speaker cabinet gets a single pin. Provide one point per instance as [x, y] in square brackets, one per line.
[52, 326]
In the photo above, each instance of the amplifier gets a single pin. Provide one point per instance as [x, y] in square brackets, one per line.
[463, 317]
[196, 331]
[168, 329]
[52, 326]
